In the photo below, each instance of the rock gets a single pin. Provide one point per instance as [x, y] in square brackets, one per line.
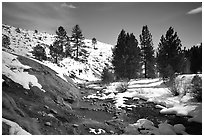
[67, 106]
[69, 99]
[47, 124]
[131, 130]
[144, 123]
[75, 125]
[112, 132]
[179, 128]
[45, 106]
[50, 115]
[166, 129]
[53, 111]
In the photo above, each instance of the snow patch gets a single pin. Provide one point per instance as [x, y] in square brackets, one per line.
[13, 69]
[100, 131]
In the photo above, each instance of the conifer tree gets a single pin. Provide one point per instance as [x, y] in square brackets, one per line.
[126, 57]
[147, 51]
[94, 41]
[133, 62]
[169, 54]
[77, 39]
[194, 55]
[118, 55]
[61, 42]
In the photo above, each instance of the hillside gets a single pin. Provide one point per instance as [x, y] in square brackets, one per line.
[23, 41]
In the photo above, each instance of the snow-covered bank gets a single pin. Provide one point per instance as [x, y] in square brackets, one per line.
[150, 90]
[13, 69]
[15, 129]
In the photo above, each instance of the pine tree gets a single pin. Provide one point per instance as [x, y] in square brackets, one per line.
[194, 55]
[169, 54]
[126, 57]
[133, 62]
[61, 42]
[94, 41]
[77, 38]
[119, 56]
[147, 50]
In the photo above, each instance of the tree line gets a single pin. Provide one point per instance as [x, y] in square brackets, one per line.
[131, 58]
[133, 61]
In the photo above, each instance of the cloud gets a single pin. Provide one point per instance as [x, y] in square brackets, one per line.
[195, 11]
[68, 6]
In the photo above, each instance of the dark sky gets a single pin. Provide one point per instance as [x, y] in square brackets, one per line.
[105, 20]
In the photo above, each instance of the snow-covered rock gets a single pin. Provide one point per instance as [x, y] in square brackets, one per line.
[12, 68]
[15, 129]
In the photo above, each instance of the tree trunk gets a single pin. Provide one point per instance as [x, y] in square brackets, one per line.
[145, 69]
[55, 60]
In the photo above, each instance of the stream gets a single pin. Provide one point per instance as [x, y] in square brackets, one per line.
[104, 110]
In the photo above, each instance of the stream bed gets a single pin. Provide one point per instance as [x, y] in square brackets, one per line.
[105, 111]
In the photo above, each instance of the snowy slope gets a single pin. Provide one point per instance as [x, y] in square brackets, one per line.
[22, 43]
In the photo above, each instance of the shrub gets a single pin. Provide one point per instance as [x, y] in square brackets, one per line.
[172, 86]
[107, 76]
[197, 88]
[39, 53]
[122, 87]
[6, 41]
[18, 30]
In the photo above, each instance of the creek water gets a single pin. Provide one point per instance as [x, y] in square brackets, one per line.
[143, 109]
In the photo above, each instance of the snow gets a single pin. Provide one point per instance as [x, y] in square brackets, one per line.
[136, 85]
[143, 81]
[183, 82]
[100, 131]
[13, 69]
[23, 42]
[149, 93]
[15, 129]
[179, 109]
[152, 91]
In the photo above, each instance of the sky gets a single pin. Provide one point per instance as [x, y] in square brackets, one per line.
[105, 20]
